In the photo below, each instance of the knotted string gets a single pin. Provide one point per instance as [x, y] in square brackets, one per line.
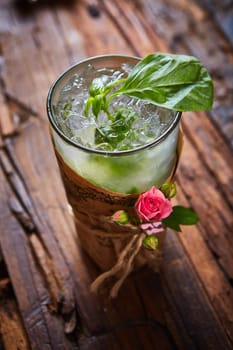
[124, 265]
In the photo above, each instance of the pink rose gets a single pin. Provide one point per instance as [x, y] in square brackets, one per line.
[153, 205]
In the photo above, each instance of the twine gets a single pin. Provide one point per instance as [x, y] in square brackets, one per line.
[125, 263]
[126, 258]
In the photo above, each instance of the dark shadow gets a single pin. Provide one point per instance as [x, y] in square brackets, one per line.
[26, 8]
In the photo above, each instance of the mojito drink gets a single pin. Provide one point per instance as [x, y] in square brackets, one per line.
[125, 157]
[107, 160]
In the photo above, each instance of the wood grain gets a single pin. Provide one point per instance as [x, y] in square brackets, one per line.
[45, 277]
[11, 328]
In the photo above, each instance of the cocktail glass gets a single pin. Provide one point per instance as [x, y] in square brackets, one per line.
[98, 183]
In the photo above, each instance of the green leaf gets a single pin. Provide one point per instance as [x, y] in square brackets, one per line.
[171, 223]
[118, 130]
[151, 242]
[180, 216]
[177, 82]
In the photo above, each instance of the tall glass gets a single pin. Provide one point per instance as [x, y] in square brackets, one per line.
[98, 183]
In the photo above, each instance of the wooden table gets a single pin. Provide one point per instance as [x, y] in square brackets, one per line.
[44, 277]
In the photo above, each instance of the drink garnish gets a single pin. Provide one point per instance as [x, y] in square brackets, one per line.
[177, 82]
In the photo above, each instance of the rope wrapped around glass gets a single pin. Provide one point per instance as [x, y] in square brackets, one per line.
[99, 182]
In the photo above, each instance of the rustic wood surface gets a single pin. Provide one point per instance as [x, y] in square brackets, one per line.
[45, 302]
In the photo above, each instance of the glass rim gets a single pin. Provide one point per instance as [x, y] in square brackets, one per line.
[92, 150]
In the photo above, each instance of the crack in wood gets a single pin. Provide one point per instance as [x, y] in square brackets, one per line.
[9, 149]
[16, 183]
[21, 207]
[21, 215]
[8, 127]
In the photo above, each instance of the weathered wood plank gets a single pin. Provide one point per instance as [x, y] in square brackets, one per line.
[206, 265]
[64, 293]
[180, 282]
[161, 311]
[59, 258]
[11, 328]
[173, 312]
[37, 69]
[1, 141]
[62, 274]
[143, 337]
[214, 211]
[88, 24]
[7, 126]
[43, 329]
[128, 16]
[211, 147]
[100, 342]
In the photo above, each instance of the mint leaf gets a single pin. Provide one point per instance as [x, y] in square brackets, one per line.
[177, 82]
[97, 100]
[180, 216]
[120, 129]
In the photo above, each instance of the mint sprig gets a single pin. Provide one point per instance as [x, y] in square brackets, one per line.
[120, 129]
[177, 82]
[98, 97]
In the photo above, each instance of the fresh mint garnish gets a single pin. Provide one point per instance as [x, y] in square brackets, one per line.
[98, 97]
[119, 130]
[177, 82]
